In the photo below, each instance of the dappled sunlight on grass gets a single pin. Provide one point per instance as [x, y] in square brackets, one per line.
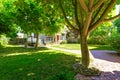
[14, 54]
[11, 50]
[100, 47]
[14, 46]
[90, 46]
[30, 74]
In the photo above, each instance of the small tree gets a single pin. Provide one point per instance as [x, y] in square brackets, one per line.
[83, 16]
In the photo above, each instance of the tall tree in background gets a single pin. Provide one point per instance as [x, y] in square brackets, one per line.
[83, 16]
[33, 16]
[29, 18]
[37, 17]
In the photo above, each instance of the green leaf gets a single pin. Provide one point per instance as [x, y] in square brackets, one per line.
[118, 1]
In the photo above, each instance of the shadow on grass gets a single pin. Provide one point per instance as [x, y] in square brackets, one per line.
[18, 49]
[49, 65]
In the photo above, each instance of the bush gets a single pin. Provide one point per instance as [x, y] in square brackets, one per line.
[63, 42]
[3, 40]
[114, 41]
[78, 40]
[102, 40]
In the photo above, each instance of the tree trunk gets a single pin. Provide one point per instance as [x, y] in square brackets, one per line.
[37, 40]
[26, 42]
[119, 51]
[85, 51]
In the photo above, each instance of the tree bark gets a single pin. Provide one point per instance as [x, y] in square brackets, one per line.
[119, 51]
[84, 51]
[37, 40]
[26, 41]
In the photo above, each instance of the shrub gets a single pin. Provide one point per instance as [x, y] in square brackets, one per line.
[63, 42]
[97, 40]
[78, 40]
[3, 40]
[114, 41]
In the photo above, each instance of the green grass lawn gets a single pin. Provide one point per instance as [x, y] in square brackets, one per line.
[18, 63]
[77, 47]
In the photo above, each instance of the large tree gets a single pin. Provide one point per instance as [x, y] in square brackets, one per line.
[83, 16]
[36, 17]
[29, 18]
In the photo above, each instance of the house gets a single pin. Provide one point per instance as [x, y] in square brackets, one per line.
[47, 39]
[43, 38]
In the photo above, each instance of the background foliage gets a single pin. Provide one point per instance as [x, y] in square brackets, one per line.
[3, 40]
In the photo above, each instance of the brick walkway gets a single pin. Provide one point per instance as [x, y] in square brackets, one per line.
[106, 61]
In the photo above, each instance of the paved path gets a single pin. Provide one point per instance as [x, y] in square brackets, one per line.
[105, 60]
[108, 62]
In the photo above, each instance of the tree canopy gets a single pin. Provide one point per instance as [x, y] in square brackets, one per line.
[30, 15]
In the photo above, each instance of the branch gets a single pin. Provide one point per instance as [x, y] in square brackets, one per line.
[92, 27]
[66, 19]
[101, 20]
[97, 13]
[98, 5]
[90, 5]
[83, 5]
[81, 15]
[110, 6]
[76, 14]
[112, 18]
[87, 24]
